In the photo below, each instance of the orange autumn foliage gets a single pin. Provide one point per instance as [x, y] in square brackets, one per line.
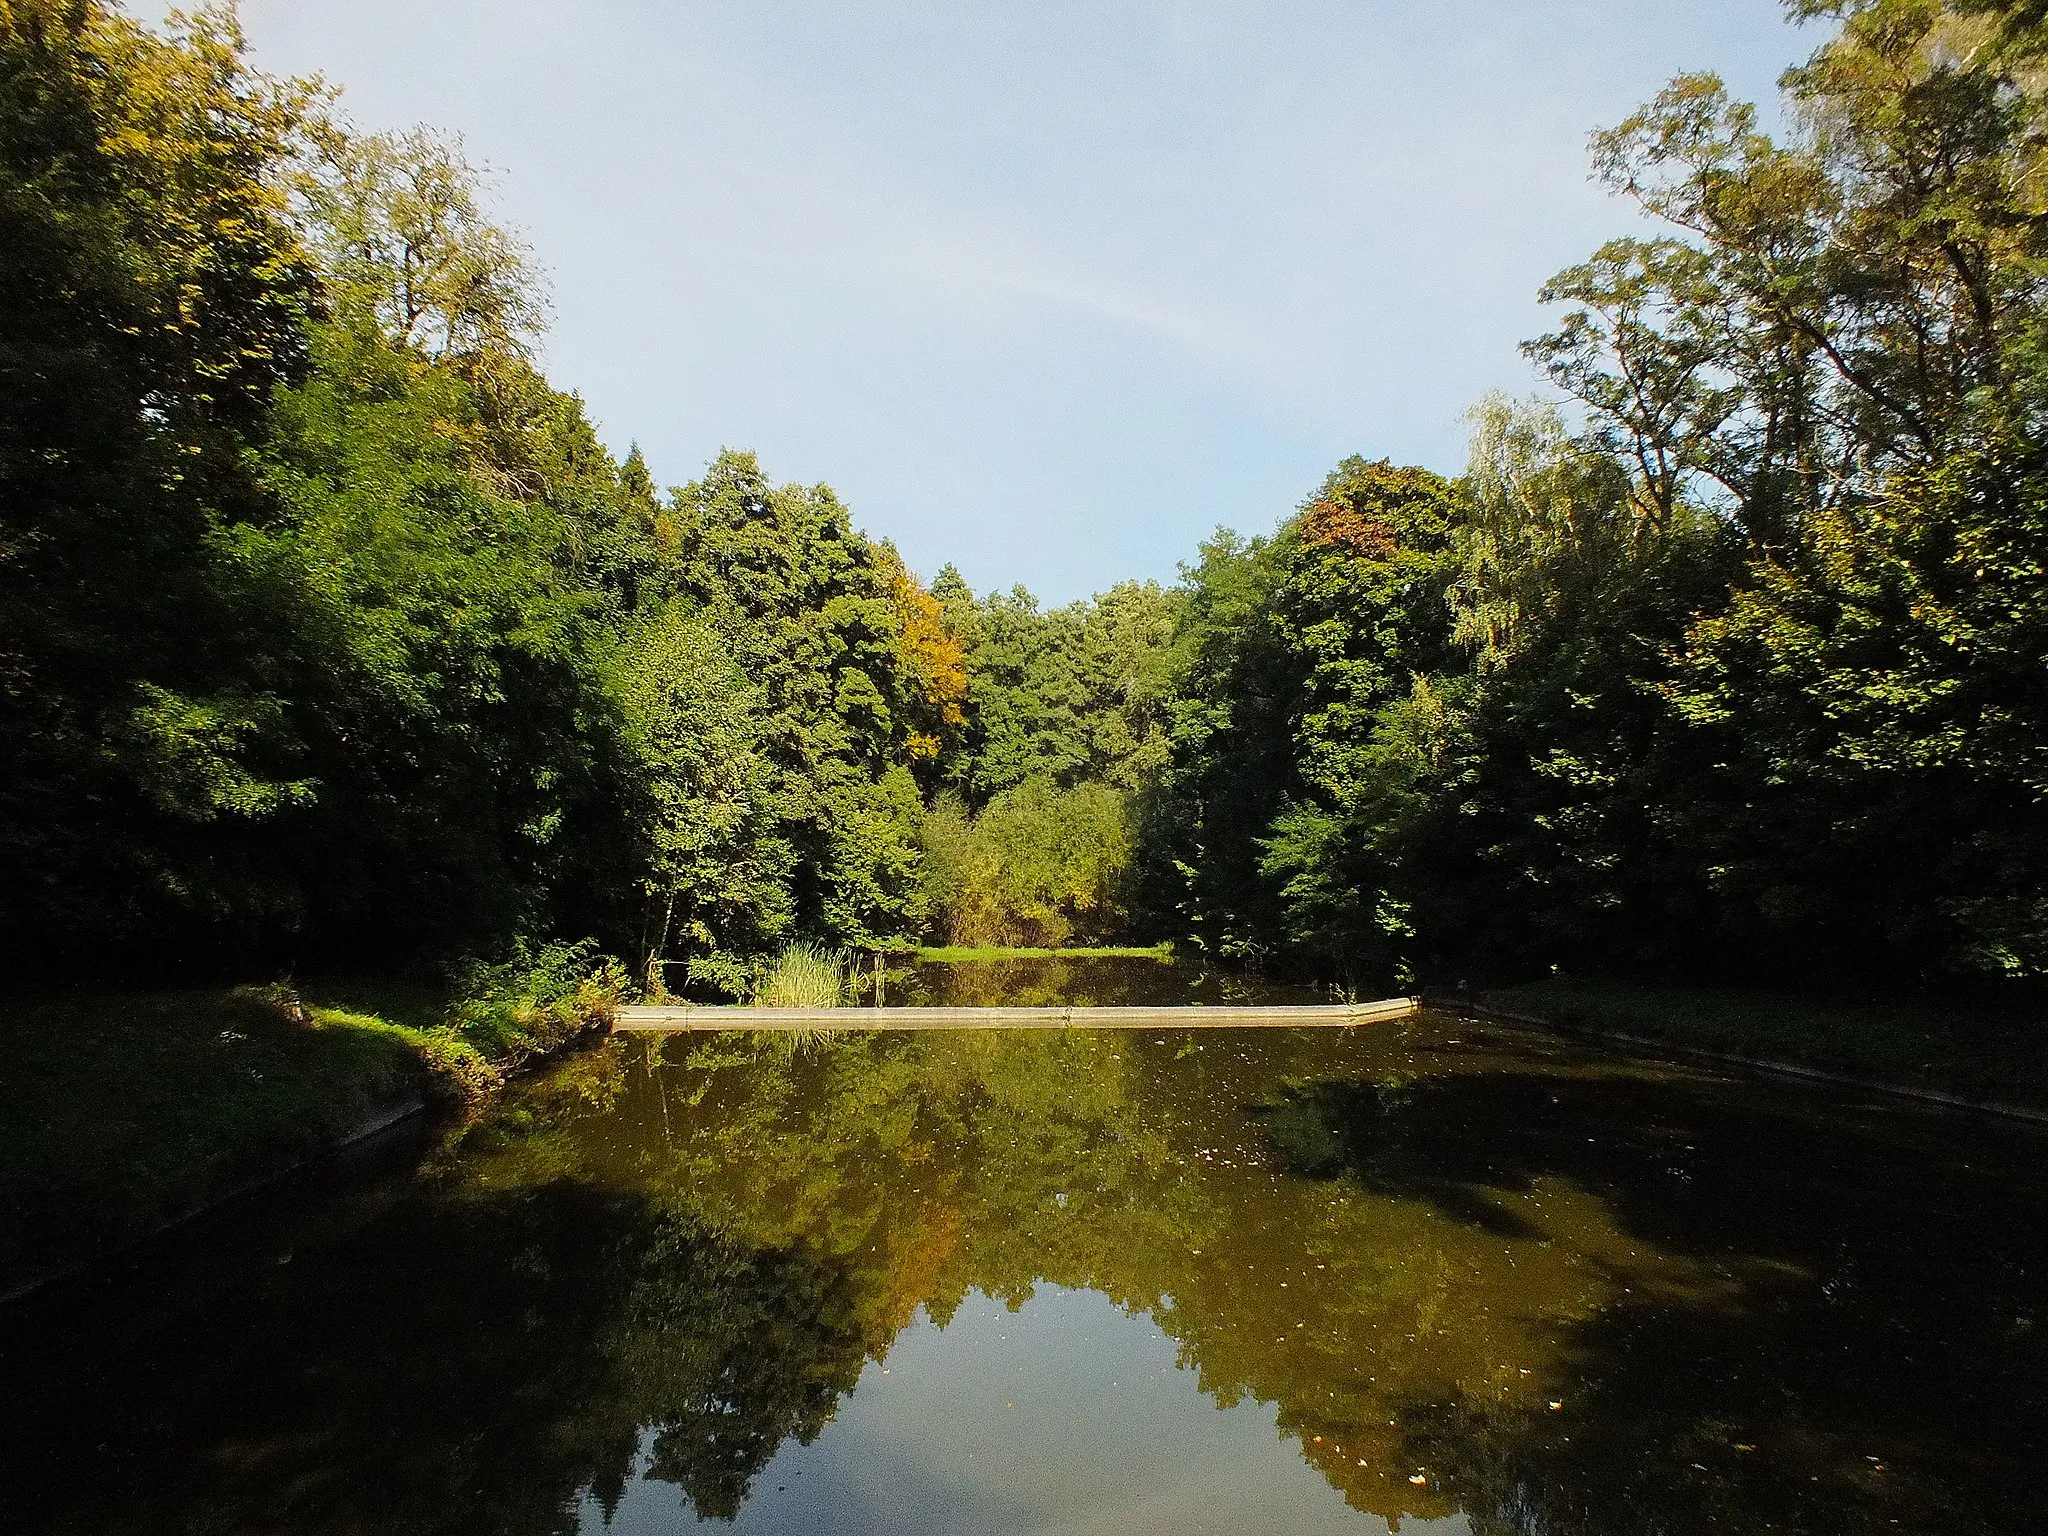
[933, 655]
[1344, 525]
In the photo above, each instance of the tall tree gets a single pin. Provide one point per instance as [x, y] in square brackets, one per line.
[813, 611]
[153, 293]
[1840, 351]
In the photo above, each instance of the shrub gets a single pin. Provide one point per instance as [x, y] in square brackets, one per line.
[536, 1001]
[1042, 866]
[457, 1068]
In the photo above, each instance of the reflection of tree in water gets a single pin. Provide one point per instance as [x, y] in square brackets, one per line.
[1412, 1252]
[1085, 981]
[471, 1357]
[1854, 1352]
[729, 1355]
[1415, 1261]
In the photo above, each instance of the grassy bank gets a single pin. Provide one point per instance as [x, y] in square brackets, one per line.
[1978, 1053]
[955, 954]
[126, 1110]
[123, 1111]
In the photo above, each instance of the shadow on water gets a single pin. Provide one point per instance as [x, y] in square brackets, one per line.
[474, 1367]
[1477, 1272]
[1862, 1346]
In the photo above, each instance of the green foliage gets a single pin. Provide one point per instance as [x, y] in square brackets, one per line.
[153, 293]
[1039, 866]
[407, 248]
[329, 629]
[811, 612]
[1305, 716]
[1743, 675]
[947, 837]
[1840, 357]
[447, 673]
[717, 866]
[1080, 692]
[536, 1001]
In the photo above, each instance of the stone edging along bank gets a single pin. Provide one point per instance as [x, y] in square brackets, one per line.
[379, 1118]
[1472, 1008]
[382, 1115]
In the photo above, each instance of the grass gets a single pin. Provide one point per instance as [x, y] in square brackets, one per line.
[803, 976]
[128, 1110]
[958, 955]
[1978, 1053]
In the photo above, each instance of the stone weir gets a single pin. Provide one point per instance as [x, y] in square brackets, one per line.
[1325, 1016]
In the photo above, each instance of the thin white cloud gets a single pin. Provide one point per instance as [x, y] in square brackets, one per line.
[1048, 289]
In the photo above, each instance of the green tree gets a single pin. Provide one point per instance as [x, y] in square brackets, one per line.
[1069, 694]
[717, 869]
[1306, 704]
[1839, 353]
[153, 290]
[1040, 866]
[811, 607]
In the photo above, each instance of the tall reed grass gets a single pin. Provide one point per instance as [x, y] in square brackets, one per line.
[803, 976]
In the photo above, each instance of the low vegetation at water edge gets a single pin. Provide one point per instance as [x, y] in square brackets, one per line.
[803, 976]
[128, 1109]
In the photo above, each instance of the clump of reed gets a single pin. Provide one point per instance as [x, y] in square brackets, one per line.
[802, 976]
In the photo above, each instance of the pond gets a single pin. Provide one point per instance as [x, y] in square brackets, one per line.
[1432, 1276]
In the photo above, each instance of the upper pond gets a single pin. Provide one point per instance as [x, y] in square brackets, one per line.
[1430, 1275]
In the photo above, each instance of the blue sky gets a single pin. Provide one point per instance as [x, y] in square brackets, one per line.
[1046, 290]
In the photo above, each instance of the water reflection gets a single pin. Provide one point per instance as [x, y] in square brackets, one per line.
[1065, 1415]
[1461, 1274]
[1099, 981]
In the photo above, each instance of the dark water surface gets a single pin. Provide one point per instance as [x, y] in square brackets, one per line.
[1428, 1274]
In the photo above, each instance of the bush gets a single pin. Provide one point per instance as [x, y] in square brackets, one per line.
[456, 1068]
[1042, 866]
[530, 1004]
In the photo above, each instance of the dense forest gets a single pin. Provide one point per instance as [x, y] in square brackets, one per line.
[332, 635]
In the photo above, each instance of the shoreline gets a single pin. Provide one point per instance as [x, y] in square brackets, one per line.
[1474, 1006]
[385, 1117]
[135, 1113]
[391, 1098]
